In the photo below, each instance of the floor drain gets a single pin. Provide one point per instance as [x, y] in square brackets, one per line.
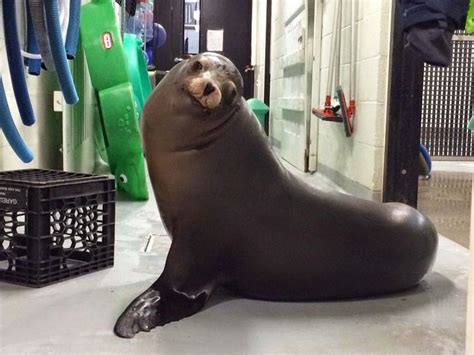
[148, 244]
[149, 241]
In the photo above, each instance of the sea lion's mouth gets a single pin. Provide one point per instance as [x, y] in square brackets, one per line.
[204, 91]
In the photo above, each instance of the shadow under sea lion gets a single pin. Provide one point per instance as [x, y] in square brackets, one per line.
[239, 219]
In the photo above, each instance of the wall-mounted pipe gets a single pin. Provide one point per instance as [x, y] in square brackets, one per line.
[15, 63]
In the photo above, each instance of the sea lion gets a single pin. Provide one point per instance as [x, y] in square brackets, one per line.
[239, 219]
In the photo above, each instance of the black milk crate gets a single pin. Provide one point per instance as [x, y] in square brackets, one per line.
[54, 225]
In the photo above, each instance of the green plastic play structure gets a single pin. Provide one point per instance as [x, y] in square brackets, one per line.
[137, 70]
[119, 113]
[260, 109]
[471, 124]
[470, 18]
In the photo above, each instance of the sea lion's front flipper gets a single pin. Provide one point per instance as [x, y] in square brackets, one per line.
[141, 315]
[182, 290]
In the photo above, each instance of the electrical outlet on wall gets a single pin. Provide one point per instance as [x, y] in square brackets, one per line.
[58, 100]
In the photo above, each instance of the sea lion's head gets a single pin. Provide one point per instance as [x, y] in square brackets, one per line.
[191, 103]
[212, 80]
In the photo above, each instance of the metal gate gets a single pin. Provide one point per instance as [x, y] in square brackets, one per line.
[448, 101]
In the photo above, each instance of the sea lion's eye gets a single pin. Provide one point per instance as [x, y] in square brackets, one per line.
[197, 65]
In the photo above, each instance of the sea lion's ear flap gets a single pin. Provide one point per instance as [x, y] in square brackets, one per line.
[229, 92]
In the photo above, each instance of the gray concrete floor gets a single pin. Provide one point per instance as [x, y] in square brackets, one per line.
[446, 199]
[78, 316]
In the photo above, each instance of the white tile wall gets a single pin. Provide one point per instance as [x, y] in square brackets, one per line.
[360, 158]
[276, 70]
[44, 138]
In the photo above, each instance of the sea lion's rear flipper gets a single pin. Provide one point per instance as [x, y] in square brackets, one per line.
[182, 290]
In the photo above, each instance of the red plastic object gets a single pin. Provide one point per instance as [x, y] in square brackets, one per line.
[329, 113]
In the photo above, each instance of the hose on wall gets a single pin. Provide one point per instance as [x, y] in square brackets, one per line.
[59, 53]
[72, 35]
[34, 65]
[39, 24]
[15, 63]
[9, 129]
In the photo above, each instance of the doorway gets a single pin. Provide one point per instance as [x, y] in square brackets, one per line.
[195, 26]
[447, 100]
[292, 80]
[432, 106]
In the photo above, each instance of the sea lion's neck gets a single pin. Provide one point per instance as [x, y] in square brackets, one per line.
[211, 135]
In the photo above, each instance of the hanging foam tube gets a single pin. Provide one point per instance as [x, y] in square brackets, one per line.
[59, 53]
[28, 35]
[34, 65]
[10, 131]
[73, 28]
[15, 63]
[39, 24]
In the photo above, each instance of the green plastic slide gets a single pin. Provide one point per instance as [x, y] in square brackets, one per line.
[108, 69]
[137, 69]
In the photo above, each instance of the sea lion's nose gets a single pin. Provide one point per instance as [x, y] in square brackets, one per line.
[209, 89]
[205, 91]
